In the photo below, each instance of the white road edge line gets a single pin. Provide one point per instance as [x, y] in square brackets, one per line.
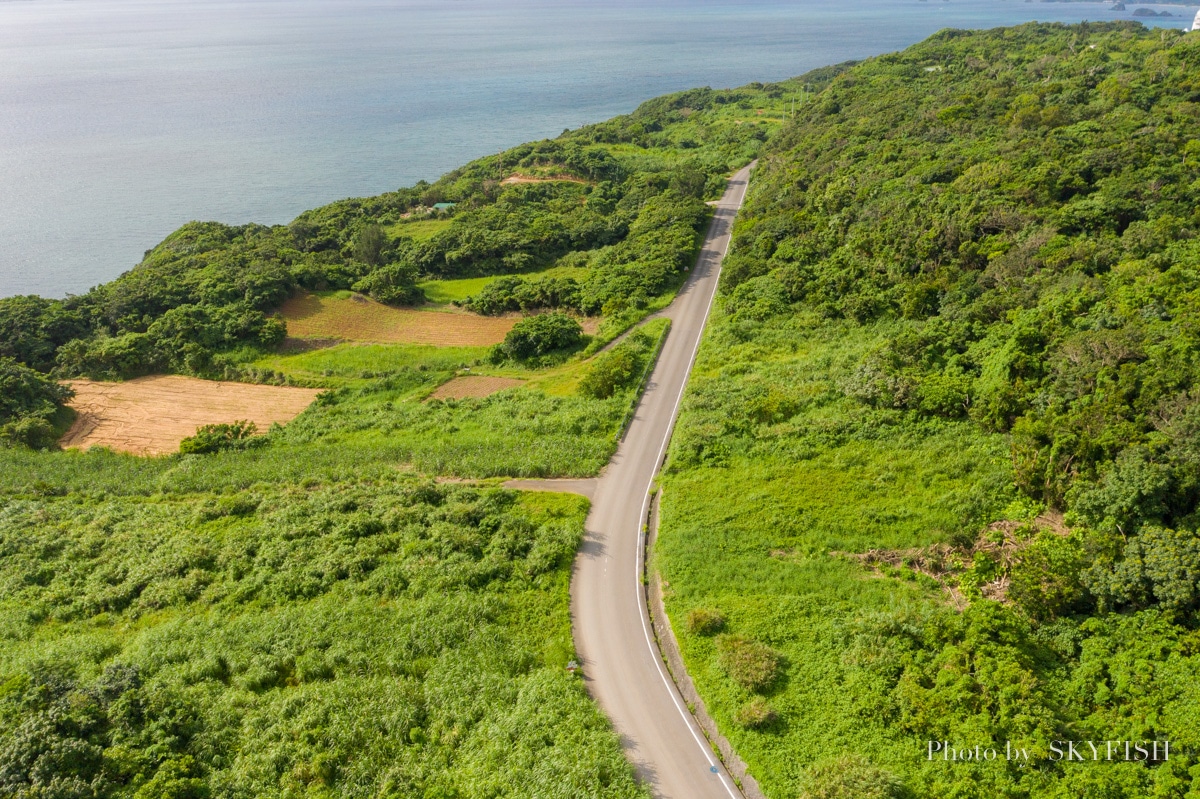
[734, 793]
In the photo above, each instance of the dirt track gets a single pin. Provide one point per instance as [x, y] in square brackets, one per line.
[516, 178]
[151, 415]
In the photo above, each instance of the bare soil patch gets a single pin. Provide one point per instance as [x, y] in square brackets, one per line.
[360, 318]
[516, 178]
[296, 346]
[151, 415]
[473, 386]
[1003, 542]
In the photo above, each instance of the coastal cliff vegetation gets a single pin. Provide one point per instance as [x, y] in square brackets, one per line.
[311, 612]
[619, 204]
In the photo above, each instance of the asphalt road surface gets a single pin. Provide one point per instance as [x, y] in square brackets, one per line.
[621, 663]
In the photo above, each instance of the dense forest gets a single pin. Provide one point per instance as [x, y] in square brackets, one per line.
[954, 374]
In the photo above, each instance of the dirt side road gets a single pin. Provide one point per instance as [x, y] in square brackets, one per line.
[621, 663]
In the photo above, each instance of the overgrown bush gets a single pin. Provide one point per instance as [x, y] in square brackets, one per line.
[611, 372]
[516, 293]
[24, 392]
[751, 664]
[755, 714]
[28, 401]
[620, 368]
[850, 777]
[539, 336]
[33, 432]
[394, 284]
[350, 638]
[705, 621]
[212, 438]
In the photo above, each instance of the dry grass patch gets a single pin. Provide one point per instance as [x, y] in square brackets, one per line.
[1001, 544]
[518, 178]
[359, 318]
[151, 415]
[473, 386]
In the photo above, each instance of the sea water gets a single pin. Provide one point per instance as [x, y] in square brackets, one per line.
[122, 119]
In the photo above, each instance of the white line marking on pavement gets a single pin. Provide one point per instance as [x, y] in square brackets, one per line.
[654, 652]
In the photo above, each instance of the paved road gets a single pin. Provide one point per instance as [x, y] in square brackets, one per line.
[621, 663]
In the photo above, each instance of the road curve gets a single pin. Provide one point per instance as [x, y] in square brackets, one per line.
[621, 663]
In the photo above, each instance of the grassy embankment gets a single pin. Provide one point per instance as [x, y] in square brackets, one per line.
[960, 303]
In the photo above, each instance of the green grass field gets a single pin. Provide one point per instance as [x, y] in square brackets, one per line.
[444, 292]
[355, 364]
[420, 229]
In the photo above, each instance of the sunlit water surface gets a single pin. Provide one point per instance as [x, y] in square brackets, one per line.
[122, 119]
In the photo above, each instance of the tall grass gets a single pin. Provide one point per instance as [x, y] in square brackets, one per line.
[770, 475]
[366, 638]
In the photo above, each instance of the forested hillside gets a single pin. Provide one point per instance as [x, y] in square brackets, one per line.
[938, 472]
[620, 203]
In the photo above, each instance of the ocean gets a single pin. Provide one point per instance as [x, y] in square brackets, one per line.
[122, 119]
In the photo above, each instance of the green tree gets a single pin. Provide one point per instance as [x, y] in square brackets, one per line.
[369, 245]
[539, 336]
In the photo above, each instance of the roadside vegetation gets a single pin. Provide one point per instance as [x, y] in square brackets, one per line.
[936, 474]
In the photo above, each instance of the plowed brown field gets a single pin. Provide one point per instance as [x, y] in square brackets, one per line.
[360, 318]
[151, 415]
[473, 386]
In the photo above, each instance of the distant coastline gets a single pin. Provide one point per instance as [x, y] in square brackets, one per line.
[128, 120]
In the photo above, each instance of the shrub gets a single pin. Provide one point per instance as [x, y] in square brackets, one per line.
[755, 714]
[1047, 584]
[541, 335]
[369, 245]
[29, 431]
[1159, 566]
[217, 437]
[24, 392]
[611, 372]
[752, 664]
[705, 621]
[27, 402]
[850, 777]
[514, 293]
[758, 299]
[394, 284]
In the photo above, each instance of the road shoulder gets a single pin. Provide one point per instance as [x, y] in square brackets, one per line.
[668, 648]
